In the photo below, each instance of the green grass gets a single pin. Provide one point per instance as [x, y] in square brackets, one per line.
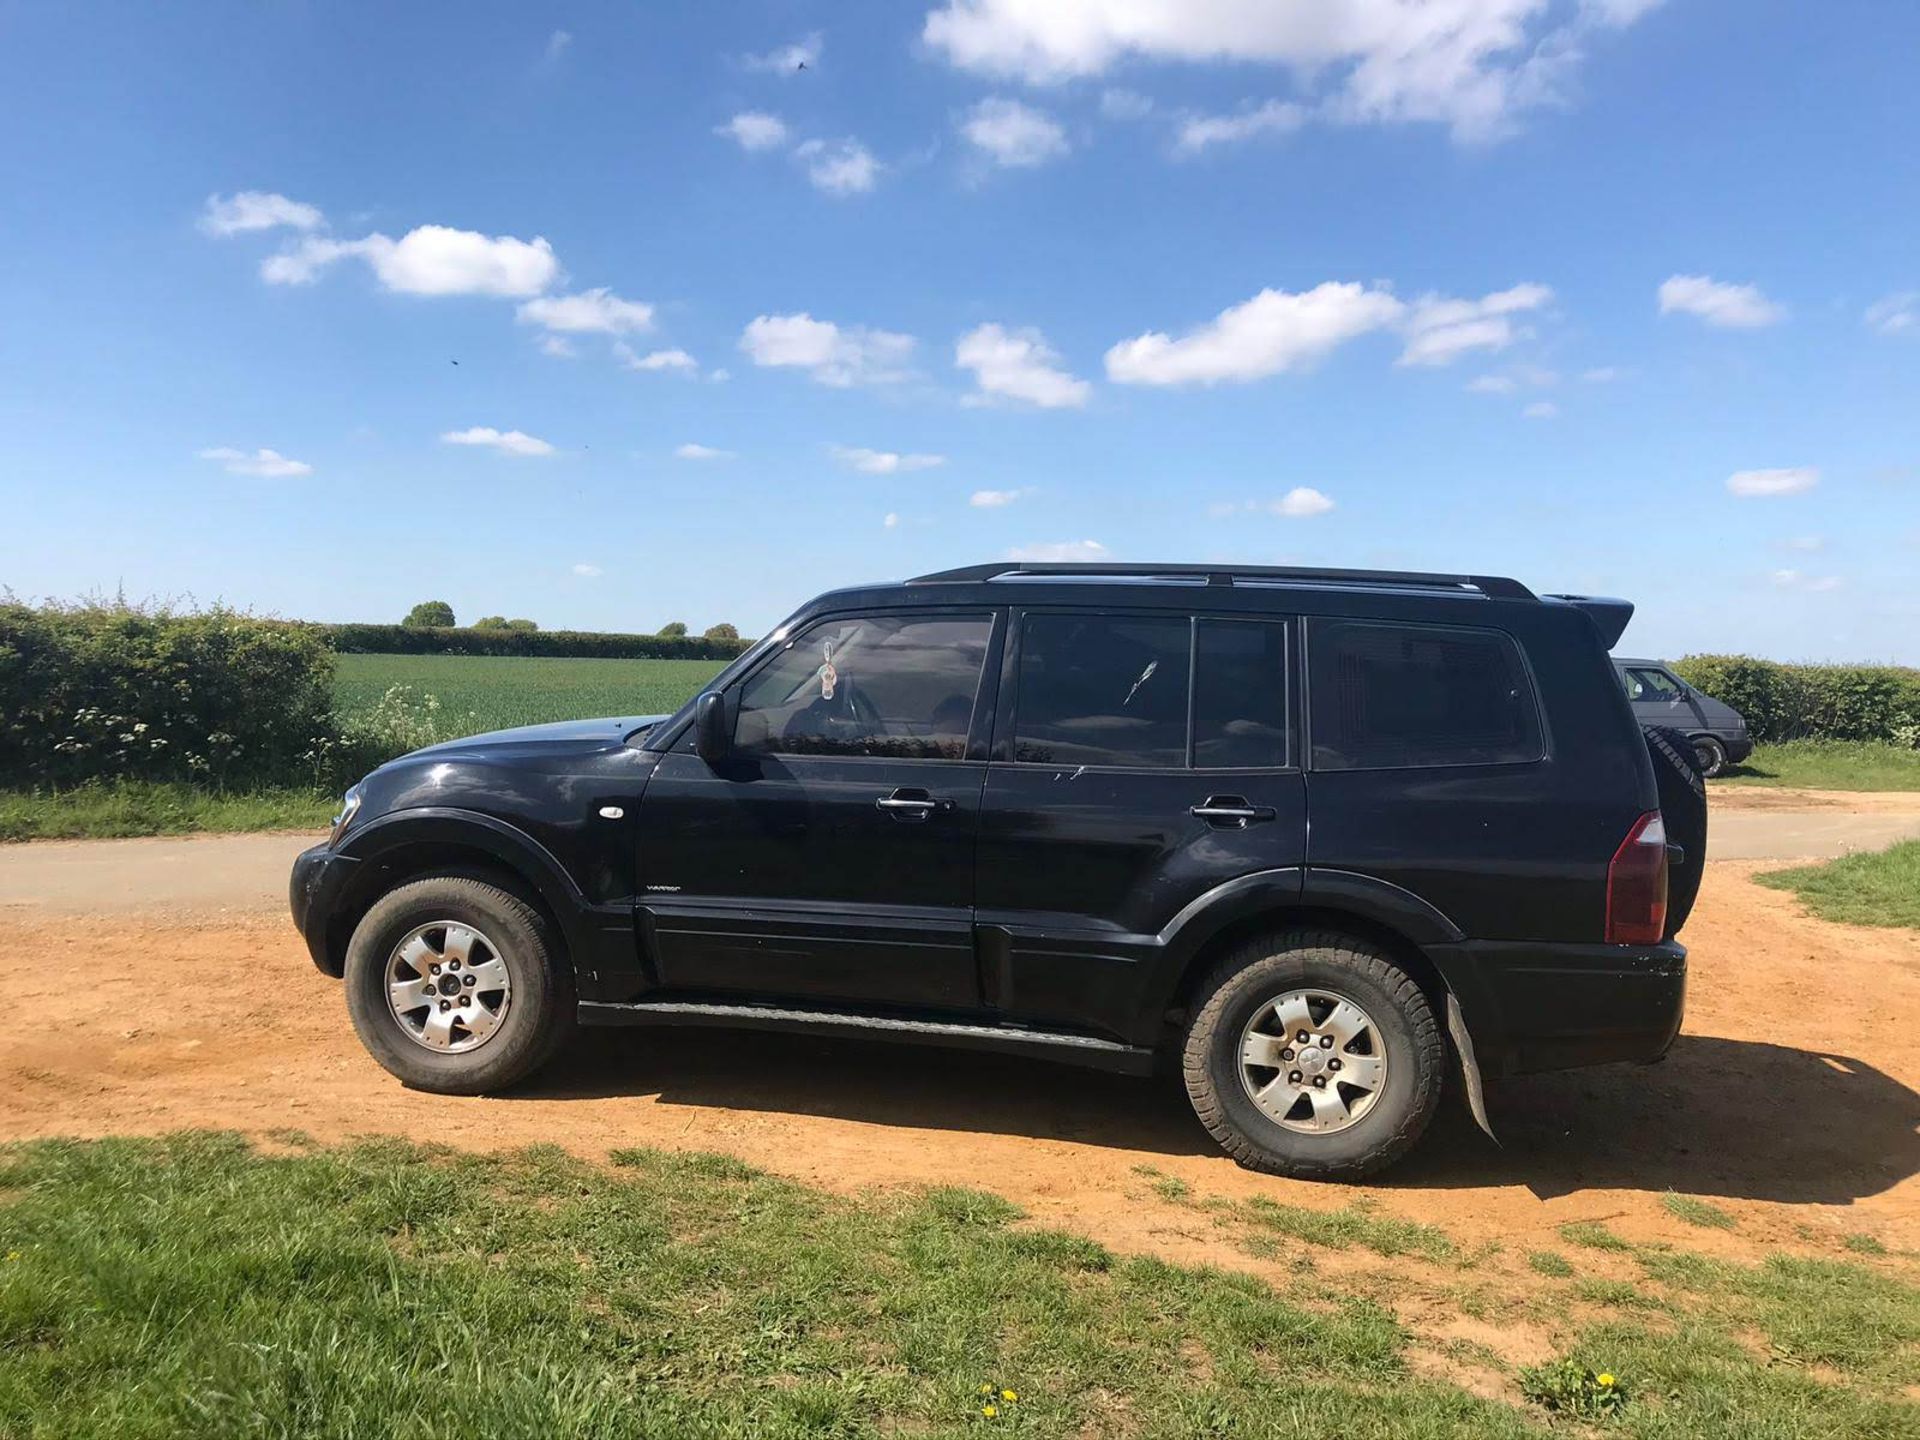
[1550, 1263]
[95, 812]
[495, 692]
[1592, 1235]
[1353, 1224]
[1694, 1211]
[190, 1286]
[1828, 765]
[1878, 887]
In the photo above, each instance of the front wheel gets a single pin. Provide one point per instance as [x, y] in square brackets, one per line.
[1710, 754]
[1313, 1055]
[456, 986]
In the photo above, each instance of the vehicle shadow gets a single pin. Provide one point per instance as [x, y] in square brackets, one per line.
[1732, 1118]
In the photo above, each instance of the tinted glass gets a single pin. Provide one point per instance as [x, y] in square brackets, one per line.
[1240, 694]
[1103, 690]
[1389, 695]
[1653, 685]
[888, 685]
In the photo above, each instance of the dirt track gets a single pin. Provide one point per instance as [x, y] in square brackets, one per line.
[1790, 1098]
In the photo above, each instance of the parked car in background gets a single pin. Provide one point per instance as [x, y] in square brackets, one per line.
[1310, 838]
[1717, 731]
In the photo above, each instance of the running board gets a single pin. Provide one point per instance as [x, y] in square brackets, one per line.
[1071, 1049]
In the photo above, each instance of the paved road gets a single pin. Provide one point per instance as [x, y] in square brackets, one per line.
[212, 875]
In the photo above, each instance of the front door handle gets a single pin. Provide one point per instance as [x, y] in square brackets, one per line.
[1232, 812]
[910, 805]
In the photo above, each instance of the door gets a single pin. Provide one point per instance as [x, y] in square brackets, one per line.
[1140, 761]
[830, 857]
[1659, 699]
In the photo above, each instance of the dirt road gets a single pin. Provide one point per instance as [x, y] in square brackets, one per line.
[1790, 1099]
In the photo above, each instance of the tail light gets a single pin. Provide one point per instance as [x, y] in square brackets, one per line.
[1637, 885]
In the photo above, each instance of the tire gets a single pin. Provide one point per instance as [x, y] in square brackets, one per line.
[1709, 755]
[531, 1012]
[1240, 992]
[1683, 809]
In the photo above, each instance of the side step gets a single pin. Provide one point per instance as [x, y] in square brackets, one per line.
[1071, 1049]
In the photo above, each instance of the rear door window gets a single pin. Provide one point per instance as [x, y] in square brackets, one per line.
[1240, 694]
[1103, 690]
[1386, 695]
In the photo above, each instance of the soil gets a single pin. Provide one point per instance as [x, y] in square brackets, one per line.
[1789, 1101]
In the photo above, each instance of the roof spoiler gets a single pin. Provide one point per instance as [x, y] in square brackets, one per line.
[1609, 616]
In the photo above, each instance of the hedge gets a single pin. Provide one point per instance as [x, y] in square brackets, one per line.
[1819, 702]
[356, 639]
[98, 691]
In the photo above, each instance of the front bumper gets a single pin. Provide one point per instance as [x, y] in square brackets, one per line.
[319, 878]
[1532, 1006]
[1738, 747]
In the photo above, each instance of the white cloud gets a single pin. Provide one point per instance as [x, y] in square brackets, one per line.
[590, 312]
[557, 44]
[1804, 543]
[1794, 580]
[883, 462]
[1272, 332]
[755, 130]
[1018, 365]
[1897, 314]
[1471, 64]
[557, 346]
[891, 521]
[1541, 410]
[1751, 483]
[993, 499]
[586, 571]
[691, 451]
[1303, 502]
[788, 59]
[654, 359]
[257, 210]
[1276, 117]
[507, 442]
[260, 464]
[1731, 307]
[429, 260]
[1493, 385]
[839, 167]
[831, 354]
[1061, 550]
[1601, 375]
[1012, 134]
[1120, 104]
[1440, 330]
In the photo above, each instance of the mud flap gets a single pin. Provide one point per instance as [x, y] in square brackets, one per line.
[1469, 1067]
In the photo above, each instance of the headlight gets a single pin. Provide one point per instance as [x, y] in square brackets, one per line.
[349, 807]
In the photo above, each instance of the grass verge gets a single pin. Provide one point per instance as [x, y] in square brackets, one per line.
[1879, 887]
[94, 812]
[1828, 765]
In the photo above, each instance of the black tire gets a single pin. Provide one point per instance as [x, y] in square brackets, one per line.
[540, 1013]
[1683, 809]
[1709, 755]
[1254, 975]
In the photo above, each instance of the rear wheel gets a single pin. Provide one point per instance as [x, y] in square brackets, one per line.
[457, 986]
[1313, 1055]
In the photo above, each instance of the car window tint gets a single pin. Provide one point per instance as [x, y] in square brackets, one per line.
[1635, 690]
[1103, 690]
[885, 685]
[1382, 695]
[1240, 694]
[1656, 685]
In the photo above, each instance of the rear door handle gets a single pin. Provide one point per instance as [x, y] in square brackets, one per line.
[1232, 811]
[910, 804]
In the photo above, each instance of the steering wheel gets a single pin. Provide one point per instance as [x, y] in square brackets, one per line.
[862, 709]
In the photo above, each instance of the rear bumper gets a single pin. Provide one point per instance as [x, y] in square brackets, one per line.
[319, 877]
[1532, 1006]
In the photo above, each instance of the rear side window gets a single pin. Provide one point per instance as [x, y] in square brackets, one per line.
[1103, 690]
[1382, 695]
[1240, 694]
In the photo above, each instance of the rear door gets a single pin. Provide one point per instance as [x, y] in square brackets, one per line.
[1140, 760]
[830, 857]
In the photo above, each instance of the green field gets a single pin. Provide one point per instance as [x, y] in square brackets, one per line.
[1829, 765]
[493, 692]
[1875, 887]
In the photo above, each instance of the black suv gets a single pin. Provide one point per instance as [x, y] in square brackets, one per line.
[1311, 836]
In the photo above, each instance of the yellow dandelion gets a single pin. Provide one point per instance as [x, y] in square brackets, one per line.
[989, 1411]
[986, 1389]
[1008, 1396]
[13, 1255]
[1607, 1380]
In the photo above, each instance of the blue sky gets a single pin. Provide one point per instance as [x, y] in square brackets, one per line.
[1615, 296]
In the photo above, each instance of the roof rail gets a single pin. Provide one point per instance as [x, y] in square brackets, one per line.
[1492, 586]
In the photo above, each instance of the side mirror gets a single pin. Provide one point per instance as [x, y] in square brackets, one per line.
[712, 740]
